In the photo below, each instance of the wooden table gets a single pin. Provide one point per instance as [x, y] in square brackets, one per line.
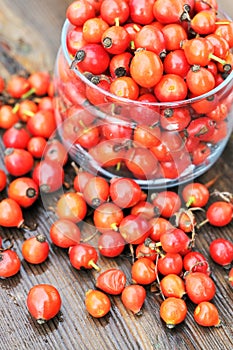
[30, 33]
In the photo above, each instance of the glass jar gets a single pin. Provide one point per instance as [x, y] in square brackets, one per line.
[157, 144]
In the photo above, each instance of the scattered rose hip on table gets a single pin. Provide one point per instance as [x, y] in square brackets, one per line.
[43, 302]
[8, 116]
[125, 192]
[35, 250]
[18, 161]
[173, 311]
[9, 263]
[71, 206]
[143, 271]
[196, 262]
[219, 214]
[11, 213]
[3, 180]
[134, 229]
[206, 314]
[133, 297]
[81, 179]
[48, 175]
[96, 191]
[17, 86]
[195, 195]
[111, 244]
[56, 151]
[83, 255]
[221, 251]
[170, 263]
[144, 209]
[24, 191]
[172, 286]
[39, 83]
[107, 216]
[36, 146]
[143, 251]
[199, 287]
[42, 124]
[64, 233]
[111, 281]
[16, 137]
[159, 226]
[231, 277]
[26, 109]
[175, 241]
[168, 202]
[97, 303]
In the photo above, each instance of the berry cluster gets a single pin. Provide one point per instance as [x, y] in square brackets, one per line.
[150, 55]
[147, 39]
[158, 230]
[33, 160]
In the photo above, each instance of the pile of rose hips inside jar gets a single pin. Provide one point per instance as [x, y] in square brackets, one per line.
[149, 51]
[158, 229]
[105, 30]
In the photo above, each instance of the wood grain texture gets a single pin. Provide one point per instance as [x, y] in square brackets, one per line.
[30, 33]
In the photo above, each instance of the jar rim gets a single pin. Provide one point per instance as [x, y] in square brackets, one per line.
[66, 27]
